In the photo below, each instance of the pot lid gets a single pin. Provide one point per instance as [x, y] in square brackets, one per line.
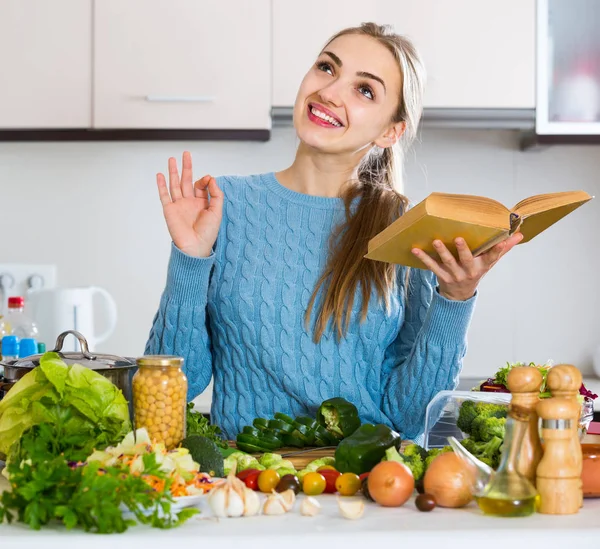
[93, 361]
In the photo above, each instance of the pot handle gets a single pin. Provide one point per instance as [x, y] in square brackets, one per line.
[111, 308]
[82, 341]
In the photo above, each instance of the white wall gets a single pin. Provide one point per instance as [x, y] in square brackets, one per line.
[92, 208]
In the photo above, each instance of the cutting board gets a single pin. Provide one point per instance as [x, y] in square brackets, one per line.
[302, 457]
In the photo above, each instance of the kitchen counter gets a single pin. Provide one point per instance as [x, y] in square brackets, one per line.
[379, 527]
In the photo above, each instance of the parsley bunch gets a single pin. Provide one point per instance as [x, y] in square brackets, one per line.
[47, 487]
[197, 424]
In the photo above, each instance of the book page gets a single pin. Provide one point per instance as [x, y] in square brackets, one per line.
[469, 208]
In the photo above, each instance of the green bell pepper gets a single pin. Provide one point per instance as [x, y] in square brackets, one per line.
[365, 448]
[339, 417]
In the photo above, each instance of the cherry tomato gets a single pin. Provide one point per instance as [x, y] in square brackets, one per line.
[268, 480]
[313, 484]
[347, 484]
[243, 474]
[326, 468]
[251, 480]
[363, 476]
[330, 478]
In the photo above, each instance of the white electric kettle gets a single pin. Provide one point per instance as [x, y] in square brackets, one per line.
[58, 310]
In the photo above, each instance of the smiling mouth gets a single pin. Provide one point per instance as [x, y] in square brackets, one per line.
[322, 118]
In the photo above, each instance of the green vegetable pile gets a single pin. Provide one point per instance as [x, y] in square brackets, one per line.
[336, 419]
[46, 486]
[78, 401]
[198, 424]
[484, 422]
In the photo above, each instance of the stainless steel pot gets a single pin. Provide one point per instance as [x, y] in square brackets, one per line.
[117, 369]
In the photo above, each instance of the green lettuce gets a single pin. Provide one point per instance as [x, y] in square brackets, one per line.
[80, 403]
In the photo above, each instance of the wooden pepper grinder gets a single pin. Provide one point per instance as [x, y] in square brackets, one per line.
[524, 382]
[564, 381]
[559, 473]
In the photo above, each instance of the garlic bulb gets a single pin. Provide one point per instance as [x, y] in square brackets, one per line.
[310, 507]
[279, 504]
[232, 498]
[351, 508]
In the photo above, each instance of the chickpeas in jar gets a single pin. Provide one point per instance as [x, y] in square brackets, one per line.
[159, 398]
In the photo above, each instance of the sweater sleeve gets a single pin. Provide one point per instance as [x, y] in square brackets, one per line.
[180, 324]
[427, 355]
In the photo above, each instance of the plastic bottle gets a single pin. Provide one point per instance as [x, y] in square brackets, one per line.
[27, 347]
[10, 348]
[19, 323]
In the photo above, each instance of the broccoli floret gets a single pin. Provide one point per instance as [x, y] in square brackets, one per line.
[434, 452]
[469, 410]
[487, 452]
[413, 460]
[415, 449]
[466, 415]
[485, 428]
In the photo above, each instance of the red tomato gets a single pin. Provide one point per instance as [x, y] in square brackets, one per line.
[363, 476]
[330, 478]
[251, 480]
[243, 474]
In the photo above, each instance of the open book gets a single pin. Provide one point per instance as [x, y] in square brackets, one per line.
[481, 221]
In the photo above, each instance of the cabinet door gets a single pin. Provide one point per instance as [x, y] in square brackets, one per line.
[182, 64]
[45, 64]
[477, 54]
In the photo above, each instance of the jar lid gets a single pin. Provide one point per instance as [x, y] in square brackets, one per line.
[160, 361]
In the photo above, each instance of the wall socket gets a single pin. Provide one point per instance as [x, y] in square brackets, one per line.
[19, 278]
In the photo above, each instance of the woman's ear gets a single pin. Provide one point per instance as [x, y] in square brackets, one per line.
[391, 135]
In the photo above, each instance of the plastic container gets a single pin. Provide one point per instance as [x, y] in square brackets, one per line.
[10, 348]
[442, 414]
[17, 322]
[159, 398]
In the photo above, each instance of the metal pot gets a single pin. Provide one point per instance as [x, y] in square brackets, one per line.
[117, 369]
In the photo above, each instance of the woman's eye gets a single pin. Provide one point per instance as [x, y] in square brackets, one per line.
[325, 67]
[366, 91]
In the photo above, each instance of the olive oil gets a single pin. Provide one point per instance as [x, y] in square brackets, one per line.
[503, 507]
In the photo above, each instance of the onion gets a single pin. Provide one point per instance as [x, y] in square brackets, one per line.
[449, 481]
[391, 483]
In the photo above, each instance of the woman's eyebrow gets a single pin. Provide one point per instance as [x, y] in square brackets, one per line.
[362, 74]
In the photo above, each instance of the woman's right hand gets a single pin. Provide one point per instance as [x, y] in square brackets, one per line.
[193, 211]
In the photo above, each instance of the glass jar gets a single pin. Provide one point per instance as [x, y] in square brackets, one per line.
[159, 398]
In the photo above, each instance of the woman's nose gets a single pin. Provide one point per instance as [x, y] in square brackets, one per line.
[331, 94]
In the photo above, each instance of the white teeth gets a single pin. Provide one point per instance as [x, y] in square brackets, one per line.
[325, 117]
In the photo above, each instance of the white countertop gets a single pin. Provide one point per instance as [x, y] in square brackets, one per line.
[403, 527]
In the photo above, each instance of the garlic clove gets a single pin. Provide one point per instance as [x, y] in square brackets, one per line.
[351, 508]
[310, 507]
[251, 503]
[289, 498]
[275, 505]
[228, 498]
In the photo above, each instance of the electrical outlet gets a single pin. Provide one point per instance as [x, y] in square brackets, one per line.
[19, 278]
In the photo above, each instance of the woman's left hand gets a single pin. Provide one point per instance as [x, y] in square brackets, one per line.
[458, 280]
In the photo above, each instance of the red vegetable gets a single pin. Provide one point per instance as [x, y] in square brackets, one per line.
[330, 478]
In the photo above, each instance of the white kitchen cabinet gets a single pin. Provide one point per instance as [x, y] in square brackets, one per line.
[45, 64]
[478, 54]
[182, 64]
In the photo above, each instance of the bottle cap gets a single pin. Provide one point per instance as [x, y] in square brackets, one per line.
[10, 346]
[41, 348]
[16, 302]
[27, 347]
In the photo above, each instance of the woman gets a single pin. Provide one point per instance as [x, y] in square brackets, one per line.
[267, 288]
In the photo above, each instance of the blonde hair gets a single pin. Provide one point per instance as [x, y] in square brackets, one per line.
[379, 187]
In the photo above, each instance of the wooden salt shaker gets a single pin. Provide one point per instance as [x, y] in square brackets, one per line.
[524, 382]
[564, 380]
[558, 473]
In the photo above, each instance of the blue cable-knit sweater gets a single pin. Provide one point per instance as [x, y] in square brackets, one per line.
[238, 316]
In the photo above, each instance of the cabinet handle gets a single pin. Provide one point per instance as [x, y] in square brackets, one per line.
[179, 99]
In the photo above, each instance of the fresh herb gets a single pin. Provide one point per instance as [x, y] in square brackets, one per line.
[46, 486]
[198, 424]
